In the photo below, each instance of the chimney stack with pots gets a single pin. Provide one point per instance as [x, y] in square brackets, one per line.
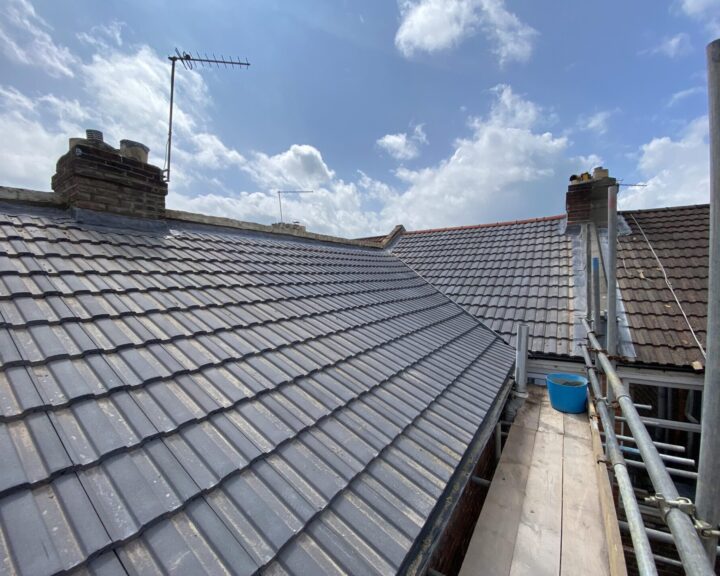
[94, 176]
[587, 197]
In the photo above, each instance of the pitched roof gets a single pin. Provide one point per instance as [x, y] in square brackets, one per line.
[503, 273]
[210, 400]
[680, 238]
[508, 272]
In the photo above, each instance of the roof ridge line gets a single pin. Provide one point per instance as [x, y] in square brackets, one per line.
[664, 208]
[487, 225]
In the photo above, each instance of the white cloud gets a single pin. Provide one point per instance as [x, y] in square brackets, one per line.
[103, 35]
[404, 146]
[504, 157]
[299, 167]
[24, 38]
[706, 11]
[672, 46]
[700, 7]
[597, 122]
[676, 172]
[435, 25]
[684, 94]
[29, 147]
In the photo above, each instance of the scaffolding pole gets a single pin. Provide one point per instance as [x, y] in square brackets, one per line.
[688, 542]
[588, 272]
[641, 544]
[597, 318]
[521, 354]
[611, 274]
[708, 485]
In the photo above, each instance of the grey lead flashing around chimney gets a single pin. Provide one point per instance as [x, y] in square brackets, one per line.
[625, 344]
[579, 298]
[119, 221]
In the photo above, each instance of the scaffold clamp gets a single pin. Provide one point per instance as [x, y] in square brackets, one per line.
[704, 529]
[665, 505]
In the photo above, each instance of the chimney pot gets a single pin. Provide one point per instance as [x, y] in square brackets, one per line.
[134, 150]
[600, 172]
[94, 136]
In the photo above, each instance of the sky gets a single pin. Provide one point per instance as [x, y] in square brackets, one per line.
[426, 113]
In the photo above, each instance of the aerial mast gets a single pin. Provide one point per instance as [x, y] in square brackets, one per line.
[281, 192]
[190, 62]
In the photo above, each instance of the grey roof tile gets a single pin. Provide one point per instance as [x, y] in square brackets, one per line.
[483, 268]
[212, 401]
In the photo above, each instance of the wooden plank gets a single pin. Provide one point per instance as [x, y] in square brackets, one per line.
[613, 541]
[537, 547]
[493, 540]
[577, 425]
[528, 416]
[584, 550]
[550, 419]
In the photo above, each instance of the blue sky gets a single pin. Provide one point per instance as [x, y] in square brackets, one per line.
[422, 112]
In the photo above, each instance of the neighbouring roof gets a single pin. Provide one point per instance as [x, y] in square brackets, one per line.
[503, 273]
[211, 400]
[680, 238]
[526, 271]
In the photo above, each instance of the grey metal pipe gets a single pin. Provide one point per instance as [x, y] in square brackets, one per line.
[665, 457]
[689, 545]
[672, 471]
[708, 487]
[662, 411]
[480, 481]
[657, 535]
[597, 318]
[661, 445]
[588, 272]
[659, 558]
[641, 544]
[611, 274]
[521, 354]
[667, 424]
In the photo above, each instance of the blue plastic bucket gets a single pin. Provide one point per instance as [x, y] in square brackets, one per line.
[568, 392]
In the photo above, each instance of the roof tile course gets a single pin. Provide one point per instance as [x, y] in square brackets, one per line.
[502, 274]
[681, 238]
[522, 271]
[207, 401]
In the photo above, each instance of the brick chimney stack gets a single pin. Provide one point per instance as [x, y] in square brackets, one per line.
[94, 176]
[587, 197]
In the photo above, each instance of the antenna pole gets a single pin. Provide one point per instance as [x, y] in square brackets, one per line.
[169, 141]
[281, 192]
[187, 61]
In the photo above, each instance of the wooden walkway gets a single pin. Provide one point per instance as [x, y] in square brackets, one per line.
[543, 514]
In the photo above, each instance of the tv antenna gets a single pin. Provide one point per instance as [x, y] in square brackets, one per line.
[280, 194]
[190, 62]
